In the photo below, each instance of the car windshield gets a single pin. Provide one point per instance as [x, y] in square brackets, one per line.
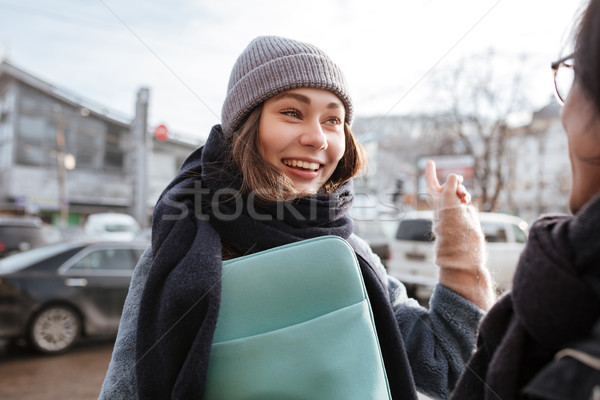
[415, 229]
[21, 233]
[24, 259]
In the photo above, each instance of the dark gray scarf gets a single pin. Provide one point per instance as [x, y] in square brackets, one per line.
[555, 301]
[180, 303]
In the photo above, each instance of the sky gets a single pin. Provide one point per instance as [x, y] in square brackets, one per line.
[183, 50]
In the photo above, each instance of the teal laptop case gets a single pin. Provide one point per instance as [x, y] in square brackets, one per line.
[295, 323]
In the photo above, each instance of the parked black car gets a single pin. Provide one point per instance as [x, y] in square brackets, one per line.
[53, 295]
[20, 233]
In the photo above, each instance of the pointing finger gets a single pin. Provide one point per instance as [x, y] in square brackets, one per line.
[463, 194]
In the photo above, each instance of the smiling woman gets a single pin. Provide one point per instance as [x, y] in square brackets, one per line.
[276, 171]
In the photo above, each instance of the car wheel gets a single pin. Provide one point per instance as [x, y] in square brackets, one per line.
[54, 329]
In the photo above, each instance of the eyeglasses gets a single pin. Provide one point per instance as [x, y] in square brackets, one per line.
[564, 75]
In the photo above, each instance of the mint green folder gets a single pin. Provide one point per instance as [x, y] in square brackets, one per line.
[295, 323]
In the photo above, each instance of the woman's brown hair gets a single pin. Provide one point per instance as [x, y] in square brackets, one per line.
[587, 52]
[266, 181]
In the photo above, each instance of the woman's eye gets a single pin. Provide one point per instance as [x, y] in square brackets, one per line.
[291, 113]
[334, 121]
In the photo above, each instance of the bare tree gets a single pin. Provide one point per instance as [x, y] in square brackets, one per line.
[476, 96]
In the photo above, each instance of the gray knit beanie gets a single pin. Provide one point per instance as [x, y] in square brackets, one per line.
[271, 65]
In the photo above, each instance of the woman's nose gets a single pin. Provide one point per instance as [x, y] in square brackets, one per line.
[314, 136]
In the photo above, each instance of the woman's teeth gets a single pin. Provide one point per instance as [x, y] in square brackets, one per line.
[301, 164]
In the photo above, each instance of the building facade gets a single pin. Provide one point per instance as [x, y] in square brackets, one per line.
[62, 157]
[540, 171]
[536, 168]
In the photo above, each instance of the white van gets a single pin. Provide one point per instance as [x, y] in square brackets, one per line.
[412, 250]
[111, 226]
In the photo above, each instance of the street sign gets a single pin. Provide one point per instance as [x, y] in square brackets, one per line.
[161, 132]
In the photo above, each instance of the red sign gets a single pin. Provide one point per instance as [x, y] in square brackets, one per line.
[161, 132]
